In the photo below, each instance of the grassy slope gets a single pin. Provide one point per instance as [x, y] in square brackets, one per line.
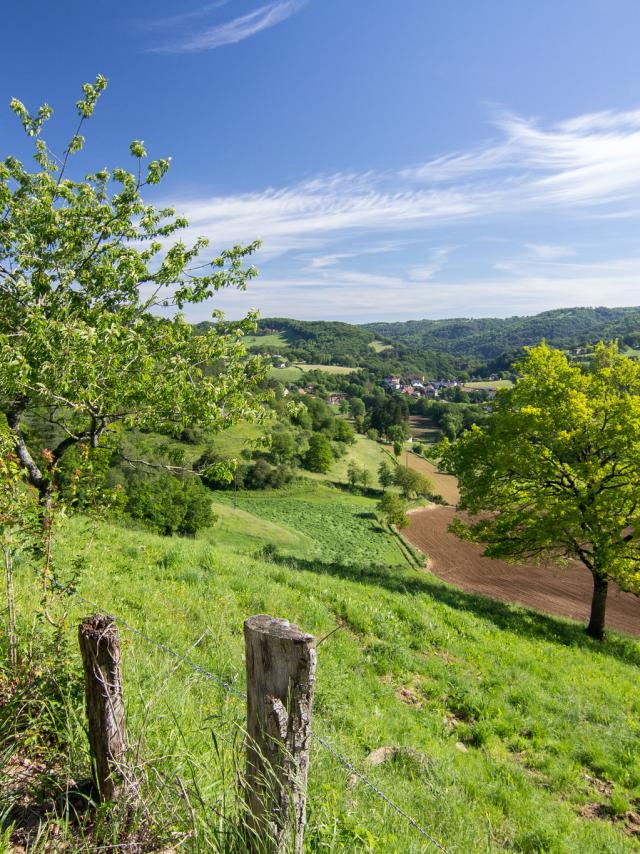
[274, 339]
[489, 384]
[417, 665]
[365, 453]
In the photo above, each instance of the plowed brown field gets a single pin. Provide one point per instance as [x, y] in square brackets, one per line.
[565, 591]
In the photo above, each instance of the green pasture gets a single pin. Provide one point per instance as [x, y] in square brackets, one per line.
[286, 375]
[380, 346]
[506, 728]
[489, 384]
[275, 340]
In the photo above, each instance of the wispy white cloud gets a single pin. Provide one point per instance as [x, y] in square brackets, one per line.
[335, 258]
[183, 17]
[437, 261]
[549, 251]
[235, 30]
[362, 296]
[589, 165]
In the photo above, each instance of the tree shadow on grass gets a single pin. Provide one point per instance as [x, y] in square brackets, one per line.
[515, 618]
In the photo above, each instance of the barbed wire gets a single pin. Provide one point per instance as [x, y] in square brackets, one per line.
[231, 689]
[379, 793]
[71, 591]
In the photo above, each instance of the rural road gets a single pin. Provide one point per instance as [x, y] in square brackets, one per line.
[565, 591]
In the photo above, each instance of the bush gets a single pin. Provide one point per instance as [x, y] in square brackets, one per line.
[412, 483]
[394, 509]
[319, 457]
[343, 431]
[215, 471]
[260, 475]
[169, 505]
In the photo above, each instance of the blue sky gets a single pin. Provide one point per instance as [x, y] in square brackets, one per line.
[415, 158]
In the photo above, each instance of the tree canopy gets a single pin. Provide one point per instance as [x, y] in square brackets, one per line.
[555, 471]
[91, 289]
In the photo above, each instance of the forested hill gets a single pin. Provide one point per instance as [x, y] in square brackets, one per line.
[488, 338]
[325, 342]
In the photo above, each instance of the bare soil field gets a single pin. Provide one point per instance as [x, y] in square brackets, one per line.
[557, 590]
[423, 429]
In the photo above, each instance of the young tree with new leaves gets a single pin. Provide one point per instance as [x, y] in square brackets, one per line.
[92, 286]
[555, 471]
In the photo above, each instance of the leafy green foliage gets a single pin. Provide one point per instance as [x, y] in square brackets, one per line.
[558, 464]
[83, 263]
[169, 505]
[394, 509]
[411, 483]
[319, 457]
[488, 338]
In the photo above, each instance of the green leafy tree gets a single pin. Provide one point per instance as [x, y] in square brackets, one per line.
[319, 457]
[365, 477]
[397, 448]
[398, 432]
[168, 504]
[411, 483]
[356, 405]
[385, 474]
[557, 465]
[353, 474]
[86, 268]
[283, 447]
[393, 508]
[343, 431]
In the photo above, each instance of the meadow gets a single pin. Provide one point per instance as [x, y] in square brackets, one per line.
[504, 729]
[480, 384]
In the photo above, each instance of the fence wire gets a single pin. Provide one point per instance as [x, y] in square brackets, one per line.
[228, 687]
[380, 794]
[231, 689]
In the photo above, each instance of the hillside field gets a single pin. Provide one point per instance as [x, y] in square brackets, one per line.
[507, 730]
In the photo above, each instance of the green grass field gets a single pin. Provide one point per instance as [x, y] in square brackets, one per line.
[489, 384]
[293, 373]
[505, 725]
[328, 369]
[379, 346]
[276, 340]
[286, 375]
[365, 453]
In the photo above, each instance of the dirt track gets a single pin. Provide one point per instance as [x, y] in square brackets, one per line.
[565, 591]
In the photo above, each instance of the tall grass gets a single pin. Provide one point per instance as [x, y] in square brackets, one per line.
[505, 724]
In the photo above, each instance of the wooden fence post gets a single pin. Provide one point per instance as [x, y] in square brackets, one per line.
[100, 648]
[281, 664]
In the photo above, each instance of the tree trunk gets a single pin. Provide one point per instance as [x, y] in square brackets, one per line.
[11, 607]
[595, 629]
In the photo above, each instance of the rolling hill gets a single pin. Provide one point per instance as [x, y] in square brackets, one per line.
[489, 338]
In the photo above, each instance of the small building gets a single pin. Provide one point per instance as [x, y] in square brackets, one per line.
[336, 398]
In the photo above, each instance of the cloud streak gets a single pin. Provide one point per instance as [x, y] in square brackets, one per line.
[589, 165]
[233, 31]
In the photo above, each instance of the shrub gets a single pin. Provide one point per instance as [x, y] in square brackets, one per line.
[412, 483]
[169, 505]
[394, 509]
[319, 457]
[343, 431]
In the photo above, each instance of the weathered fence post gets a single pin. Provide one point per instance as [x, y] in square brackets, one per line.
[100, 648]
[281, 664]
